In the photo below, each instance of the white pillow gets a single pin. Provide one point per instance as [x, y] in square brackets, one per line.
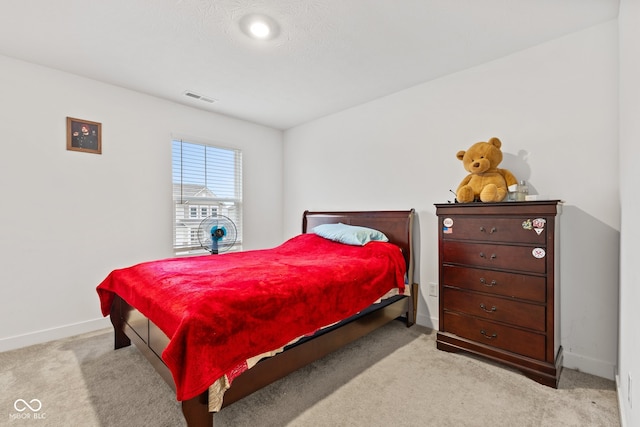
[349, 234]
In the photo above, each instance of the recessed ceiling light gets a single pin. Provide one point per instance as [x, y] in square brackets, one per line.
[259, 27]
[259, 30]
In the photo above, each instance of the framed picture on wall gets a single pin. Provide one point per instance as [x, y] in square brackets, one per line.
[84, 135]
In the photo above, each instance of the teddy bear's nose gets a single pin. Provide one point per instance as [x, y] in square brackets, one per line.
[476, 165]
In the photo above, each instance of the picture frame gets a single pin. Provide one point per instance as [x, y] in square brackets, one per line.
[84, 135]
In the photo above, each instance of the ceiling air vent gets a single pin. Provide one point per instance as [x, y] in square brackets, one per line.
[199, 97]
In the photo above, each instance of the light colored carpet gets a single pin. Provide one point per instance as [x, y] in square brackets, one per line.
[392, 377]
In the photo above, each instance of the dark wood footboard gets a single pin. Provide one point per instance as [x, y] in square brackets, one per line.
[118, 321]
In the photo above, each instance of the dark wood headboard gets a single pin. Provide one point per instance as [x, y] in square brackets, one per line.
[396, 225]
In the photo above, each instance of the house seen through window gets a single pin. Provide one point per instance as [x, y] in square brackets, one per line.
[207, 181]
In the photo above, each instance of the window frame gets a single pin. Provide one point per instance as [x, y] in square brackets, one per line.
[222, 172]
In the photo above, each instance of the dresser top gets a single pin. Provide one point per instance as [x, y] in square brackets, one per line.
[537, 207]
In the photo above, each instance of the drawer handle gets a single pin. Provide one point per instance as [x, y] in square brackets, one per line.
[484, 307]
[484, 282]
[489, 337]
[483, 230]
[482, 255]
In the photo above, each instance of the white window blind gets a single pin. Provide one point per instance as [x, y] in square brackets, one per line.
[207, 180]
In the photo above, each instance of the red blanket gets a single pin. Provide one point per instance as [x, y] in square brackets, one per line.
[220, 310]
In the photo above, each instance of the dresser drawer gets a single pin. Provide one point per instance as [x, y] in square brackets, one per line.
[509, 257]
[500, 309]
[490, 229]
[512, 285]
[515, 340]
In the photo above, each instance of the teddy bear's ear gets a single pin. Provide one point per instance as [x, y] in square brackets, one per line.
[495, 142]
[460, 154]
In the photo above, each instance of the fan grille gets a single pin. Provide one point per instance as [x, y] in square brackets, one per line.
[217, 233]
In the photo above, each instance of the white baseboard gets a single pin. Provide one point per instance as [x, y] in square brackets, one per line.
[621, 410]
[428, 322]
[38, 337]
[599, 368]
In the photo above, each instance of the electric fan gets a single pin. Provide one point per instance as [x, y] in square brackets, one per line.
[217, 233]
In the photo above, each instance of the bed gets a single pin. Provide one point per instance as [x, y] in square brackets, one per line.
[272, 336]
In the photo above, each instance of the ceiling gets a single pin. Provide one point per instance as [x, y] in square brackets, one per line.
[329, 55]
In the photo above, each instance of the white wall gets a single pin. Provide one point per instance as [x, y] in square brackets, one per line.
[629, 351]
[555, 108]
[68, 218]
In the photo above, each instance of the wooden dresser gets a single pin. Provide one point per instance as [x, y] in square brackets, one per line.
[499, 284]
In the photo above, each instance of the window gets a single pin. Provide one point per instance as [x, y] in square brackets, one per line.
[207, 180]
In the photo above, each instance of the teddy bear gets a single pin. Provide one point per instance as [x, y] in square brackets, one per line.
[485, 182]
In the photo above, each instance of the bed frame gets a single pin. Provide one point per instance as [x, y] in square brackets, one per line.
[130, 325]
